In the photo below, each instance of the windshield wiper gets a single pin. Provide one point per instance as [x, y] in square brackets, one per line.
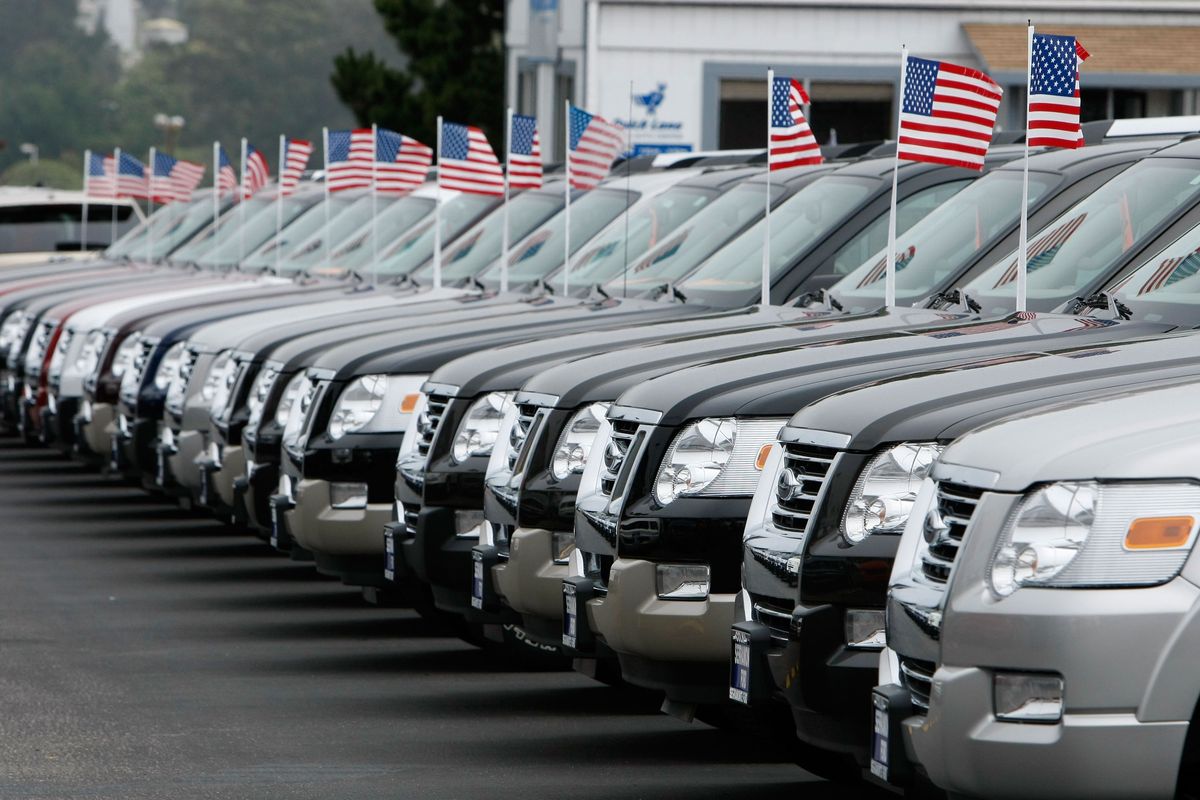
[955, 297]
[597, 293]
[1102, 301]
[821, 297]
[670, 292]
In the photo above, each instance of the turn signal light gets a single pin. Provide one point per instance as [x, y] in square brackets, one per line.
[764, 453]
[409, 403]
[1159, 533]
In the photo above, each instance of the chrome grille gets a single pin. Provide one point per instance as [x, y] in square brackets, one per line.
[430, 419]
[803, 472]
[616, 453]
[774, 614]
[60, 355]
[411, 512]
[945, 527]
[131, 381]
[917, 677]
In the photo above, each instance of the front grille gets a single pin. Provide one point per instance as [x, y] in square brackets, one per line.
[917, 677]
[945, 528]
[519, 434]
[430, 419]
[616, 453]
[131, 381]
[802, 475]
[411, 512]
[773, 613]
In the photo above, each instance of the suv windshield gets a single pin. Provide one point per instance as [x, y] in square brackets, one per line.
[735, 271]
[134, 238]
[216, 236]
[634, 233]
[358, 253]
[311, 251]
[1085, 243]
[938, 246]
[258, 228]
[416, 247]
[542, 251]
[1170, 277]
[479, 247]
[305, 225]
[696, 239]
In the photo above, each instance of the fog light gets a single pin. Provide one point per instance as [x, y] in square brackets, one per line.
[682, 581]
[865, 629]
[561, 544]
[467, 523]
[1027, 697]
[52, 403]
[348, 495]
[285, 487]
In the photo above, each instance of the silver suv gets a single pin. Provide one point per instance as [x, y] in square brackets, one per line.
[1044, 617]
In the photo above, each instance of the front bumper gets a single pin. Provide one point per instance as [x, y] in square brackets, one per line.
[530, 583]
[678, 646]
[345, 542]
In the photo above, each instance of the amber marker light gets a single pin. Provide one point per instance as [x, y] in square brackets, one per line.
[764, 453]
[409, 403]
[1159, 533]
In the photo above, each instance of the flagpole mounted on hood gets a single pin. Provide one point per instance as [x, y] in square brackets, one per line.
[1023, 236]
[437, 213]
[889, 286]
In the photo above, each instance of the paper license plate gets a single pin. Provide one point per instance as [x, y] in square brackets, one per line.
[389, 556]
[739, 671]
[477, 582]
[274, 525]
[570, 618]
[879, 740]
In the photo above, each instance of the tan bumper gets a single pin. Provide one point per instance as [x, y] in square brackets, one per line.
[530, 582]
[98, 433]
[233, 464]
[336, 531]
[188, 445]
[632, 619]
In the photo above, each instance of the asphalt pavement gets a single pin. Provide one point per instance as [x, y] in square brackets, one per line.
[147, 653]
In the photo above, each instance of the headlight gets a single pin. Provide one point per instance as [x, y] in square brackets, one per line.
[88, 360]
[357, 406]
[575, 443]
[177, 392]
[221, 406]
[715, 457]
[168, 368]
[1089, 534]
[480, 428]
[8, 331]
[124, 355]
[260, 392]
[883, 496]
[216, 376]
[290, 393]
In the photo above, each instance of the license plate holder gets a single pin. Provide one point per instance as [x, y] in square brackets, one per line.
[880, 757]
[160, 469]
[204, 484]
[570, 624]
[389, 555]
[274, 526]
[477, 580]
[114, 453]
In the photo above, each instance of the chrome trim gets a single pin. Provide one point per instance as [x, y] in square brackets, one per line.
[446, 389]
[968, 476]
[838, 441]
[643, 416]
[320, 373]
[535, 399]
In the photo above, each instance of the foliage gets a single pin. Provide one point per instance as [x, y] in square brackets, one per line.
[455, 68]
[52, 174]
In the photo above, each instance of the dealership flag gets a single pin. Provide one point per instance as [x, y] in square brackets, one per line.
[1054, 91]
[593, 143]
[294, 160]
[255, 172]
[791, 143]
[349, 160]
[524, 153]
[227, 180]
[98, 175]
[131, 177]
[947, 114]
[401, 162]
[175, 180]
[467, 162]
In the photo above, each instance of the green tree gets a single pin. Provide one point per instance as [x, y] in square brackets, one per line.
[455, 68]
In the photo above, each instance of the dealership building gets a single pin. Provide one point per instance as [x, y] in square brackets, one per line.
[690, 74]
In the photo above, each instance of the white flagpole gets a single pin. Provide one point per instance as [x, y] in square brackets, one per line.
[1023, 238]
[508, 124]
[87, 168]
[325, 146]
[766, 259]
[150, 207]
[216, 198]
[889, 290]
[242, 208]
[116, 191]
[374, 204]
[279, 201]
[567, 209]
[437, 213]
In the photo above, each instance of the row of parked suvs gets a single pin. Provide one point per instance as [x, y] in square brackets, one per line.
[953, 538]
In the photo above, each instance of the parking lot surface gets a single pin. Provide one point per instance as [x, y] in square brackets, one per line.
[145, 653]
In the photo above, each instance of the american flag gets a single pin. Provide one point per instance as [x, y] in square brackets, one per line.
[174, 180]
[791, 142]
[226, 175]
[257, 171]
[403, 162]
[1018, 318]
[99, 175]
[1054, 91]
[880, 269]
[467, 162]
[131, 178]
[594, 144]
[1172, 270]
[295, 158]
[524, 154]
[948, 113]
[1043, 250]
[350, 157]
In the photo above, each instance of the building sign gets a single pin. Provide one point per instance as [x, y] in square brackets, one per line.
[652, 130]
